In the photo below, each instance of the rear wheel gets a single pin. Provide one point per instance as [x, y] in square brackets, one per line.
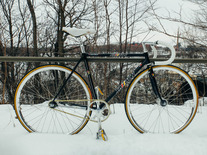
[38, 113]
[146, 112]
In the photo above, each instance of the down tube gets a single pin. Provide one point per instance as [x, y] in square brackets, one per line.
[128, 80]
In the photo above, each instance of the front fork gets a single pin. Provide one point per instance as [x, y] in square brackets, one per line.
[155, 89]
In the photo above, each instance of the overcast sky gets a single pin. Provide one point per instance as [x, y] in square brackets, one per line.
[173, 6]
[163, 7]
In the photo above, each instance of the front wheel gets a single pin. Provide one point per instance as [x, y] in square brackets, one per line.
[145, 111]
[35, 108]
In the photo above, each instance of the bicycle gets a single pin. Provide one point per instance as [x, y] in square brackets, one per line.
[160, 98]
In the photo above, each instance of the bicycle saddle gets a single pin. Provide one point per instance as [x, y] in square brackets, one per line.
[78, 32]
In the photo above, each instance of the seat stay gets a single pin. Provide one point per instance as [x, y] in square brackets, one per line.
[65, 82]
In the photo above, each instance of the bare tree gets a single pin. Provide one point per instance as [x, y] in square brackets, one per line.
[65, 13]
[192, 29]
[8, 84]
[34, 21]
[24, 33]
[108, 35]
[12, 40]
[192, 32]
[129, 15]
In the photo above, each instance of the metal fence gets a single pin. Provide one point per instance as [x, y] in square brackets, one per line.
[91, 59]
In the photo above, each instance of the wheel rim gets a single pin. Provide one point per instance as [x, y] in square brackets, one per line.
[144, 112]
[33, 101]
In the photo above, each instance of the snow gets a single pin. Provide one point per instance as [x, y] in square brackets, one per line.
[123, 138]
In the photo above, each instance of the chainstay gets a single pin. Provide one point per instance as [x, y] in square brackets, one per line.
[74, 115]
[87, 117]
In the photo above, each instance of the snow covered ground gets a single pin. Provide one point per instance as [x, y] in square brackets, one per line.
[123, 138]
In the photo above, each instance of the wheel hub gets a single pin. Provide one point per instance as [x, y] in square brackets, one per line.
[53, 104]
[163, 103]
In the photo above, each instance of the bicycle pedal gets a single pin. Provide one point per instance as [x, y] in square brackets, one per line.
[93, 106]
[102, 134]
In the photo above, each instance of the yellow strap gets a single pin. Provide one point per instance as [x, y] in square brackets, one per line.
[100, 91]
[103, 135]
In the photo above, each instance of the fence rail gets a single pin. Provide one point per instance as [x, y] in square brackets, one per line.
[91, 59]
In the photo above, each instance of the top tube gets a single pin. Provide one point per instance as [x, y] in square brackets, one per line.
[117, 55]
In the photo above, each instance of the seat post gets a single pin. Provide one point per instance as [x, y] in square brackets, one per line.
[81, 45]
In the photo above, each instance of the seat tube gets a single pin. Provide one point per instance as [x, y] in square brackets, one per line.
[91, 85]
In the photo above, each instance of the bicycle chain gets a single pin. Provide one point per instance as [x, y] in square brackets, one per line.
[87, 117]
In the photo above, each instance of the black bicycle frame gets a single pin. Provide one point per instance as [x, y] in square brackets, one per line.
[144, 62]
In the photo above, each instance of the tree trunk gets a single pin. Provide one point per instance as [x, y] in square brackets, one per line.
[31, 9]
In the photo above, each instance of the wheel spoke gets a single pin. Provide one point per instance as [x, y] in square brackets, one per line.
[38, 88]
[145, 111]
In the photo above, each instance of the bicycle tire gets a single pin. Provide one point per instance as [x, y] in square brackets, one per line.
[144, 110]
[33, 97]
